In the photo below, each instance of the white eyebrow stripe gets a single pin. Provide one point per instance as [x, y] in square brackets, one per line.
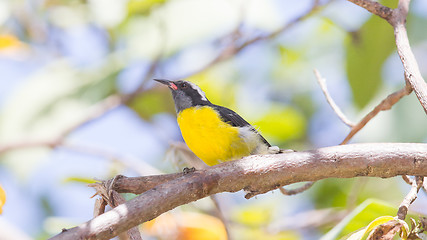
[197, 88]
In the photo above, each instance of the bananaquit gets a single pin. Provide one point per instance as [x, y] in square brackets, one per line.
[215, 134]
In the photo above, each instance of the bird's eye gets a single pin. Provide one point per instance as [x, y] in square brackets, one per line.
[184, 85]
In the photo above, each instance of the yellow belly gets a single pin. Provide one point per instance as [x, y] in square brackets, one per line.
[209, 138]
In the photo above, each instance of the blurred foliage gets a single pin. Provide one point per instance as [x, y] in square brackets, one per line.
[254, 216]
[153, 102]
[251, 221]
[331, 192]
[142, 6]
[282, 124]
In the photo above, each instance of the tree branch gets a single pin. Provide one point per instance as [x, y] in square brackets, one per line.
[257, 175]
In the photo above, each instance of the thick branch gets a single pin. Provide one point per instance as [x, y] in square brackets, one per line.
[258, 174]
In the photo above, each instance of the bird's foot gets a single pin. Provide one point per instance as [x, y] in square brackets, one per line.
[187, 170]
[276, 150]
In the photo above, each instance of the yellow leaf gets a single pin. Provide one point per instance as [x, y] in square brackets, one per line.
[2, 198]
[361, 233]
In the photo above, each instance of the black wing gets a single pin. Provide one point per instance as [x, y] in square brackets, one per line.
[234, 119]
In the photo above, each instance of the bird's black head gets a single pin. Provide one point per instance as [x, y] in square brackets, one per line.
[185, 94]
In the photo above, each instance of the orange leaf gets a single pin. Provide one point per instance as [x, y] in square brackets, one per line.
[2, 198]
[9, 41]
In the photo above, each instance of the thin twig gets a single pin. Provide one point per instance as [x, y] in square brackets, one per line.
[384, 105]
[330, 100]
[296, 190]
[410, 198]
[407, 179]
[28, 144]
[410, 182]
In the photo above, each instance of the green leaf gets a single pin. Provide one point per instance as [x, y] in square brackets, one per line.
[367, 49]
[360, 217]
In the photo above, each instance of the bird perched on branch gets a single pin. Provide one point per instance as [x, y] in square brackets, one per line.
[215, 134]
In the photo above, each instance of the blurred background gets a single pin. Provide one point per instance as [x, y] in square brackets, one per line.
[77, 103]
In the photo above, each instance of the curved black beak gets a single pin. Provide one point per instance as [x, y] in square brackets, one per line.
[168, 83]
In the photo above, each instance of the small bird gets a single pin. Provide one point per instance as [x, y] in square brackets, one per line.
[215, 134]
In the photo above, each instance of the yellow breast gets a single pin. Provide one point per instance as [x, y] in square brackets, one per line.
[211, 139]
